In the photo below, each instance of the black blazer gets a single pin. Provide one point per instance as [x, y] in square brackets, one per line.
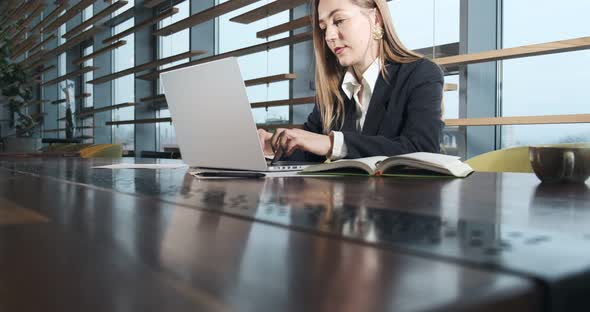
[404, 114]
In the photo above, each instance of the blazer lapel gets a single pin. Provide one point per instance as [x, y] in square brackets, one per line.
[378, 105]
[350, 113]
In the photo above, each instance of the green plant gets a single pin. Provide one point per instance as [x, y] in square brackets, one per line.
[13, 81]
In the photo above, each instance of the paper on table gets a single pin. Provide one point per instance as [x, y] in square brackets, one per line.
[142, 166]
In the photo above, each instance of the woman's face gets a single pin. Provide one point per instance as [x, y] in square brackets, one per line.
[347, 30]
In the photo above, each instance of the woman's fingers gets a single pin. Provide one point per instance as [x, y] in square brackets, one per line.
[264, 138]
[275, 138]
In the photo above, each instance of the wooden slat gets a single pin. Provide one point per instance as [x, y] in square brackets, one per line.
[252, 82]
[24, 48]
[42, 70]
[153, 99]
[451, 87]
[20, 18]
[152, 3]
[23, 27]
[80, 96]
[70, 75]
[64, 129]
[138, 121]
[99, 52]
[95, 18]
[68, 45]
[141, 25]
[517, 52]
[58, 101]
[44, 42]
[269, 79]
[146, 66]
[520, 120]
[267, 10]
[240, 52]
[70, 13]
[296, 101]
[19, 10]
[36, 54]
[294, 24]
[25, 43]
[203, 16]
[86, 113]
[32, 6]
[50, 17]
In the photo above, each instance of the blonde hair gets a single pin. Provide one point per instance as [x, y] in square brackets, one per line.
[329, 72]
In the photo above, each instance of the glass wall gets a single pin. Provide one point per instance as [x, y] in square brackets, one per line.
[433, 28]
[232, 36]
[124, 88]
[61, 70]
[168, 46]
[87, 100]
[87, 90]
[545, 85]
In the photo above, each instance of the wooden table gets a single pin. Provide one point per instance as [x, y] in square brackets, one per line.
[142, 240]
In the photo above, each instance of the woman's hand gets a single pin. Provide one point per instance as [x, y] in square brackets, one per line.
[289, 140]
[264, 138]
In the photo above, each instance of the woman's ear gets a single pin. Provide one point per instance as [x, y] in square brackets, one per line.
[378, 21]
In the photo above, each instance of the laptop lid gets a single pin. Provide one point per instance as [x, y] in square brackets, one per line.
[212, 116]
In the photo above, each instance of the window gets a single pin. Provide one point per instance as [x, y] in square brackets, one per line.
[124, 88]
[168, 46]
[428, 26]
[87, 99]
[233, 36]
[87, 89]
[544, 85]
[61, 70]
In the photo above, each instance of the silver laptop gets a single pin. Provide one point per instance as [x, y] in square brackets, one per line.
[213, 119]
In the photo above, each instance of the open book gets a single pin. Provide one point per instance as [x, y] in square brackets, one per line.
[421, 164]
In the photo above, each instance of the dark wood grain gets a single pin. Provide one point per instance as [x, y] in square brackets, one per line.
[116, 241]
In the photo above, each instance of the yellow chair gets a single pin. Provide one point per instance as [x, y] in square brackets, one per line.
[102, 151]
[67, 147]
[514, 159]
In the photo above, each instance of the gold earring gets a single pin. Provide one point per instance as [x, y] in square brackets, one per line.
[377, 33]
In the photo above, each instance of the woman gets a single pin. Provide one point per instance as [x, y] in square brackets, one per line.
[374, 96]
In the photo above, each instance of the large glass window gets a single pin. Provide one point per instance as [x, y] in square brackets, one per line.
[233, 36]
[426, 23]
[433, 28]
[124, 88]
[545, 85]
[87, 98]
[168, 46]
[61, 70]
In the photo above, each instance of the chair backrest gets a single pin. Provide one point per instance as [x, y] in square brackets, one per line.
[514, 159]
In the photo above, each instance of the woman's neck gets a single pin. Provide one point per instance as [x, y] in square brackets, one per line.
[360, 69]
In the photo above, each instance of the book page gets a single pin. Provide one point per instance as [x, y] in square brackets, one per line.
[439, 160]
[367, 164]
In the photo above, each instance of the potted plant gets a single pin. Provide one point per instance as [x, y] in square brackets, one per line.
[15, 94]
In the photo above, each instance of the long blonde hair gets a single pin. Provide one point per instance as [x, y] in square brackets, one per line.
[329, 73]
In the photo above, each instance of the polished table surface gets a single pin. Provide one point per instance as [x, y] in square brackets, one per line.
[77, 238]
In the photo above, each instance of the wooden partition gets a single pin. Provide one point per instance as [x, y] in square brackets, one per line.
[76, 36]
